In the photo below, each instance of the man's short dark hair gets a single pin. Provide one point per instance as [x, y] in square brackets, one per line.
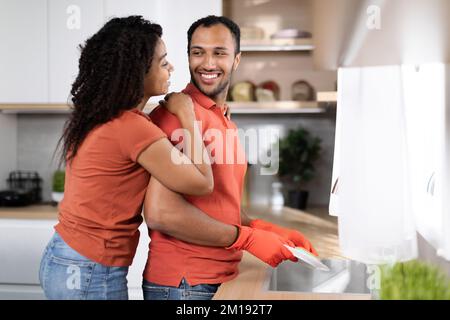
[213, 20]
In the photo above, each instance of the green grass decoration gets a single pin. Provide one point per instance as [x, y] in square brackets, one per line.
[414, 280]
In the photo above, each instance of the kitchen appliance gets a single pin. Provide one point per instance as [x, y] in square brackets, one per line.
[25, 188]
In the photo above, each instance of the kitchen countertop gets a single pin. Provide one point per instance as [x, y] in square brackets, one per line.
[253, 279]
[38, 212]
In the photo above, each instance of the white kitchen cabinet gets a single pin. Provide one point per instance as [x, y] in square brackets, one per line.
[22, 243]
[118, 8]
[428, 135]
[175, 16]
[23, 51]
[70, 23]
[41, 38]
[372, 198]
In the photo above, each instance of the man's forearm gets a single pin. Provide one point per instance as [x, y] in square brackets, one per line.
[170, 213]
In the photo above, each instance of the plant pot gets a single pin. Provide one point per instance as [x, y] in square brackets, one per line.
[298, 199]
[57, 196]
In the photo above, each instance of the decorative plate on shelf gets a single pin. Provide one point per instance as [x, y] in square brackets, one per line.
[303, 91]
[267, 91]
[243, 91]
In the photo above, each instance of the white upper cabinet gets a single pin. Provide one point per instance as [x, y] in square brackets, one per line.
[119, 8]
[70, 23]
[23, 51]
[39, 51]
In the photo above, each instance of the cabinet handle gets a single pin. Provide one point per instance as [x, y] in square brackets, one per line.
[430, 184]
[334, 190]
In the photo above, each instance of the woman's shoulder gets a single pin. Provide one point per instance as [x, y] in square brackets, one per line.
[130, 120]
[135, 114]
[130, 117]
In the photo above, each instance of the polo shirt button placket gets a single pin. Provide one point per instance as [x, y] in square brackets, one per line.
[223, 117]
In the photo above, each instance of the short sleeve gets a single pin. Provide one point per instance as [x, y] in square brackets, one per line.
[166, 121]
[140, 133]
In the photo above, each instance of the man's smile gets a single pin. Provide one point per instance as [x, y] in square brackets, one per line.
[209, 78]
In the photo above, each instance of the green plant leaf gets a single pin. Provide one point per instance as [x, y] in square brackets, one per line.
[58, 181]
[414, 280]
[298, 152]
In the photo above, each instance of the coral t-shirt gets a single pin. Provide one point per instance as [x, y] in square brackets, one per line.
[170, 259]
[105, 189]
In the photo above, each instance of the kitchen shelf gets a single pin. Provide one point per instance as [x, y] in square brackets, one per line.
[277, 45]
[34, 108]
[46, 108]
[327, 96]
[277, 107]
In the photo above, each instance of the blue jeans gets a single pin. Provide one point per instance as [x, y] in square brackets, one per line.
[153, 291]
[66, 275]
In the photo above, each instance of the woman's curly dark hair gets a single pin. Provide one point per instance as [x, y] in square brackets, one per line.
[112, 67]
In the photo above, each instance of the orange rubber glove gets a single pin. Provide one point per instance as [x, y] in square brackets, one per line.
[293, 235]
[266, 246]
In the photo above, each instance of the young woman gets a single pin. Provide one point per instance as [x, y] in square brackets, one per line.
[111, 148]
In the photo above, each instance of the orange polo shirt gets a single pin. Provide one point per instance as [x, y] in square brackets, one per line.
[105, 189]
[169, 259]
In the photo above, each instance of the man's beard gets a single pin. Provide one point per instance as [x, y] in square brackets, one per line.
[223, 86]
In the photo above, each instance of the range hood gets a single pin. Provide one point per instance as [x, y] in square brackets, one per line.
[354, 33]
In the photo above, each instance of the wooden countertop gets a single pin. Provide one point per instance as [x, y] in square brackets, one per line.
[253, 280]
[38, 212]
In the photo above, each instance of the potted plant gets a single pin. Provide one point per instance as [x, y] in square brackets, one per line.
[413, 280]
[297, 155]
[58, 186]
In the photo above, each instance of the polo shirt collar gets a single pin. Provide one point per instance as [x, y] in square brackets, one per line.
[198, 96]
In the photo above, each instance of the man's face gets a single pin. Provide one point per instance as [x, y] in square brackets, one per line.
[212, 59]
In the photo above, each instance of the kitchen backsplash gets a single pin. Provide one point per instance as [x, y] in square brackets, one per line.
[8, 142]
[260, 186]
[38, 135]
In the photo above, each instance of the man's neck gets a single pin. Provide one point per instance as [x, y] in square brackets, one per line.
[220, 99]
[220, 102]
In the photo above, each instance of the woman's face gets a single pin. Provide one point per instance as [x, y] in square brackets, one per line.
[156, 81]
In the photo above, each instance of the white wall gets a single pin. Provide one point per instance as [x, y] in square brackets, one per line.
[409, 31]
[176, 18]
